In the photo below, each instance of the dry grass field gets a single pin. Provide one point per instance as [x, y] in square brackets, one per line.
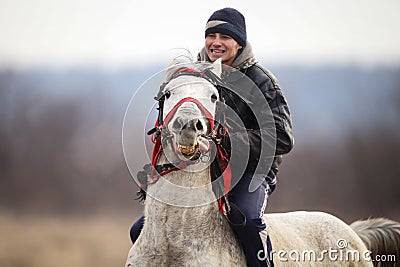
[57, 241]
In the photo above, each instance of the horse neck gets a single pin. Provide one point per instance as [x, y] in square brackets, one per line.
[182, 222]
[182, 194]
[194, 175]
[178, 232]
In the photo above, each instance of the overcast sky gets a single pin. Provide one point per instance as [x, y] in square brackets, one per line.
[116, 33]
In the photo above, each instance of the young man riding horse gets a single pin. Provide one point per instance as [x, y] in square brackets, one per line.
[225, 38]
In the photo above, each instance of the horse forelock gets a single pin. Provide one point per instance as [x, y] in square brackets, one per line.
[185, 62]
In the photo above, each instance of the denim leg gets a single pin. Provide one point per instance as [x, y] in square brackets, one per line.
[136, 229]
[252, 205]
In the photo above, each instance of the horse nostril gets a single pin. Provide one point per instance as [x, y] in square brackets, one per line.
[214, 98]
[199, 125]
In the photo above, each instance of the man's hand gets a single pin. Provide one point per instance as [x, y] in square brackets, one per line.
[204, 144]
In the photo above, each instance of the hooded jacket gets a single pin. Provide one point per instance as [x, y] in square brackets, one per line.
[253, 104]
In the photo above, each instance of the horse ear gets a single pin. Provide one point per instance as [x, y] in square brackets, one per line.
[217, 67]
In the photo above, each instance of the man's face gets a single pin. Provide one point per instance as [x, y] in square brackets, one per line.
[221, 46]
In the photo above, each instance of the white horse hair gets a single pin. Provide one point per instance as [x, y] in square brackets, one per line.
[178, 231]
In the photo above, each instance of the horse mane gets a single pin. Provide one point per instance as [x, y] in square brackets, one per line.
[185, 61]
[381, 236]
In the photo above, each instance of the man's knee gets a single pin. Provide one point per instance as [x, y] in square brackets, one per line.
[136, 229]
[253, 213]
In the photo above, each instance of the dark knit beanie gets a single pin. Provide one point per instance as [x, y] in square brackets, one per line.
[228, 21]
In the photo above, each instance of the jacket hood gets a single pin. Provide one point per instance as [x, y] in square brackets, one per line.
[243, 60]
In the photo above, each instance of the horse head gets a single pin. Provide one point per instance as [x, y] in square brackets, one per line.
[189, 106]
[187, 120]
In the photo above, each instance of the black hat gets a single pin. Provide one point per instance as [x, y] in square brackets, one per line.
[228, 21]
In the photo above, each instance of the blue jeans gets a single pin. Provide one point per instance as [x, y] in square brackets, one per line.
[252, 205]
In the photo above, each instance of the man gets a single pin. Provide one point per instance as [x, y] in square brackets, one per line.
[225, 38]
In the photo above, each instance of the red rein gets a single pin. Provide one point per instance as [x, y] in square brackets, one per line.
[158, 146]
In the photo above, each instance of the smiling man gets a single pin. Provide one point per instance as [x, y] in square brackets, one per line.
[222, 46]
[226, 38]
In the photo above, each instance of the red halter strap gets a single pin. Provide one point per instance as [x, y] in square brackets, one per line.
[158, 146]
[227, 175]
[199, 105]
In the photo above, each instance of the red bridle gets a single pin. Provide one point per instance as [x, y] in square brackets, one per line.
[158, 147]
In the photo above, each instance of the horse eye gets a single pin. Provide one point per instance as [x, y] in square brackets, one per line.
[214, 98]
[176, 125]
[167, 94]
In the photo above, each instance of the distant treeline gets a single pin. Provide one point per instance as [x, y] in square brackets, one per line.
[61, 150]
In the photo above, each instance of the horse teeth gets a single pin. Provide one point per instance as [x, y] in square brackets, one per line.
[187, 149]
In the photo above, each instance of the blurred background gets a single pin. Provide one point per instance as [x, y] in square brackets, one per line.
[68, 70]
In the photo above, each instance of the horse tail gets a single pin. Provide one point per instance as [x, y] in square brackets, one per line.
[382, 237]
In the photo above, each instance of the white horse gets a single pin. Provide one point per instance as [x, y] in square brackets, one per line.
[184, 225]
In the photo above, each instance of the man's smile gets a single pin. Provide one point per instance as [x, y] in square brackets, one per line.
[217, 52]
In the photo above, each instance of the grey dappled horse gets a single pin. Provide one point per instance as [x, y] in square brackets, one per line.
[183, 223]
